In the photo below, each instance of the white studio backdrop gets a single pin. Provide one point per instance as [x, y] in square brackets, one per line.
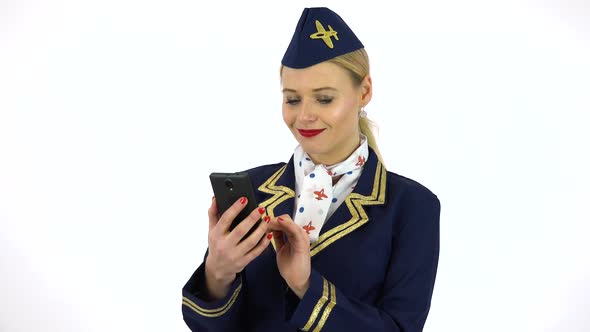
[113, 114]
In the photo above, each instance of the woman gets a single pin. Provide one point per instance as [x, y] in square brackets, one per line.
[354, 247]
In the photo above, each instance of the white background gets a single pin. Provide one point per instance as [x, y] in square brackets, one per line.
[113, 113]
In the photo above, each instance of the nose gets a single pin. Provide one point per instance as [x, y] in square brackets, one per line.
[307, 112]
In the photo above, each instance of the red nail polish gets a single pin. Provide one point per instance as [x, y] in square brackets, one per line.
[279, 219]
[261, 210]
[267, 219]
[269, 236]
[243, 200]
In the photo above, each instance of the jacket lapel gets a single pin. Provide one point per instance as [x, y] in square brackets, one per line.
[281, 190]
[350, 215]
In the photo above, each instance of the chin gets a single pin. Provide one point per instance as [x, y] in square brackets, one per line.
[316, 146]
[313, 148]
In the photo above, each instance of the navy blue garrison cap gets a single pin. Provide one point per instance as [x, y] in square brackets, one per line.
[320, 35]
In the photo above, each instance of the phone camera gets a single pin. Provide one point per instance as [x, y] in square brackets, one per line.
[229, 184]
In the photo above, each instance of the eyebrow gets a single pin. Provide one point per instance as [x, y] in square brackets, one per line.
[314, 90]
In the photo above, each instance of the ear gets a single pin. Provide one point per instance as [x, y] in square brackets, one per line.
[366, 90]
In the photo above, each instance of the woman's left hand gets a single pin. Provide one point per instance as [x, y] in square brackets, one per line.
[293, 258]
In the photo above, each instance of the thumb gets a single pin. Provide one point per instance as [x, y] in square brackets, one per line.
[212, 214]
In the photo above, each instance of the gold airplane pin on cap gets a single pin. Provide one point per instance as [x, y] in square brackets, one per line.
[312, 43]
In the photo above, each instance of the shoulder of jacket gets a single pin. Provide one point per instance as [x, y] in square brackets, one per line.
[260, 173]
[409, 188]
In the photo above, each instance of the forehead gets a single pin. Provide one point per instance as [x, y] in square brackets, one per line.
[323, 74]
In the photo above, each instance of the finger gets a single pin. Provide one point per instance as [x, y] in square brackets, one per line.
[256, 251]
[245, 225]
[295, 235]
[212, 214]
[279, 237]
[283, 223]
[230, 214]
[250, 242]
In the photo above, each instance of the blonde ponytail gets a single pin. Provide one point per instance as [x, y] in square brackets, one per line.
[356, 64]
[366, 127]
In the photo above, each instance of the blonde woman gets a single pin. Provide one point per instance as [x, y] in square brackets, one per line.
[345, 244]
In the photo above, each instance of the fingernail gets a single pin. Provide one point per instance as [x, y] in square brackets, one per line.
[242, 200]
[279, 219]
[267, 219]
[261, 210]
[269, 236]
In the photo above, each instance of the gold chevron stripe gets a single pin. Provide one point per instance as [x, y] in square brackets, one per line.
[281, 193]
[328, 310]
[212, 312]
[318, 307]
[354, 202]
[359, 217]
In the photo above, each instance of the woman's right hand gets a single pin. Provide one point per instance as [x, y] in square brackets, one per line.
[227, 254]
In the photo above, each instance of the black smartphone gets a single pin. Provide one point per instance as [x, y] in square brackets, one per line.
[228, 188]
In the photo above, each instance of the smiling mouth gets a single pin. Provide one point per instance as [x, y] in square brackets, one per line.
[310, 132]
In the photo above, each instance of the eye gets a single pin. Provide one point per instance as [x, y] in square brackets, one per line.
[325, 100]
[292, 101]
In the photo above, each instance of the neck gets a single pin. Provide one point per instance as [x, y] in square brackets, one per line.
[335, 158]
[335, 179]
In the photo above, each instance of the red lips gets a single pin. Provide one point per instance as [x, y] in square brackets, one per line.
[310, 132]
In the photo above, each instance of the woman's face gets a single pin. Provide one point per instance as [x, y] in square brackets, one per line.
[321, 108]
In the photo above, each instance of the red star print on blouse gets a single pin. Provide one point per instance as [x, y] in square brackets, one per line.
[308, 228]
[361, 161]
[320, 194]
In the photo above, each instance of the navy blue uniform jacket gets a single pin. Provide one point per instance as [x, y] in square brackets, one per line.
[373, 266]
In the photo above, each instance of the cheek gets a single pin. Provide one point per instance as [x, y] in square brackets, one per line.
[344, 113]
[287, 117]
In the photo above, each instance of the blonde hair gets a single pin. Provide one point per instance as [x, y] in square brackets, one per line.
[356, 63]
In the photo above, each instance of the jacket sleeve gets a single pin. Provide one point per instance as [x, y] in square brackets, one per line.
[407, 291]
[222, 315]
